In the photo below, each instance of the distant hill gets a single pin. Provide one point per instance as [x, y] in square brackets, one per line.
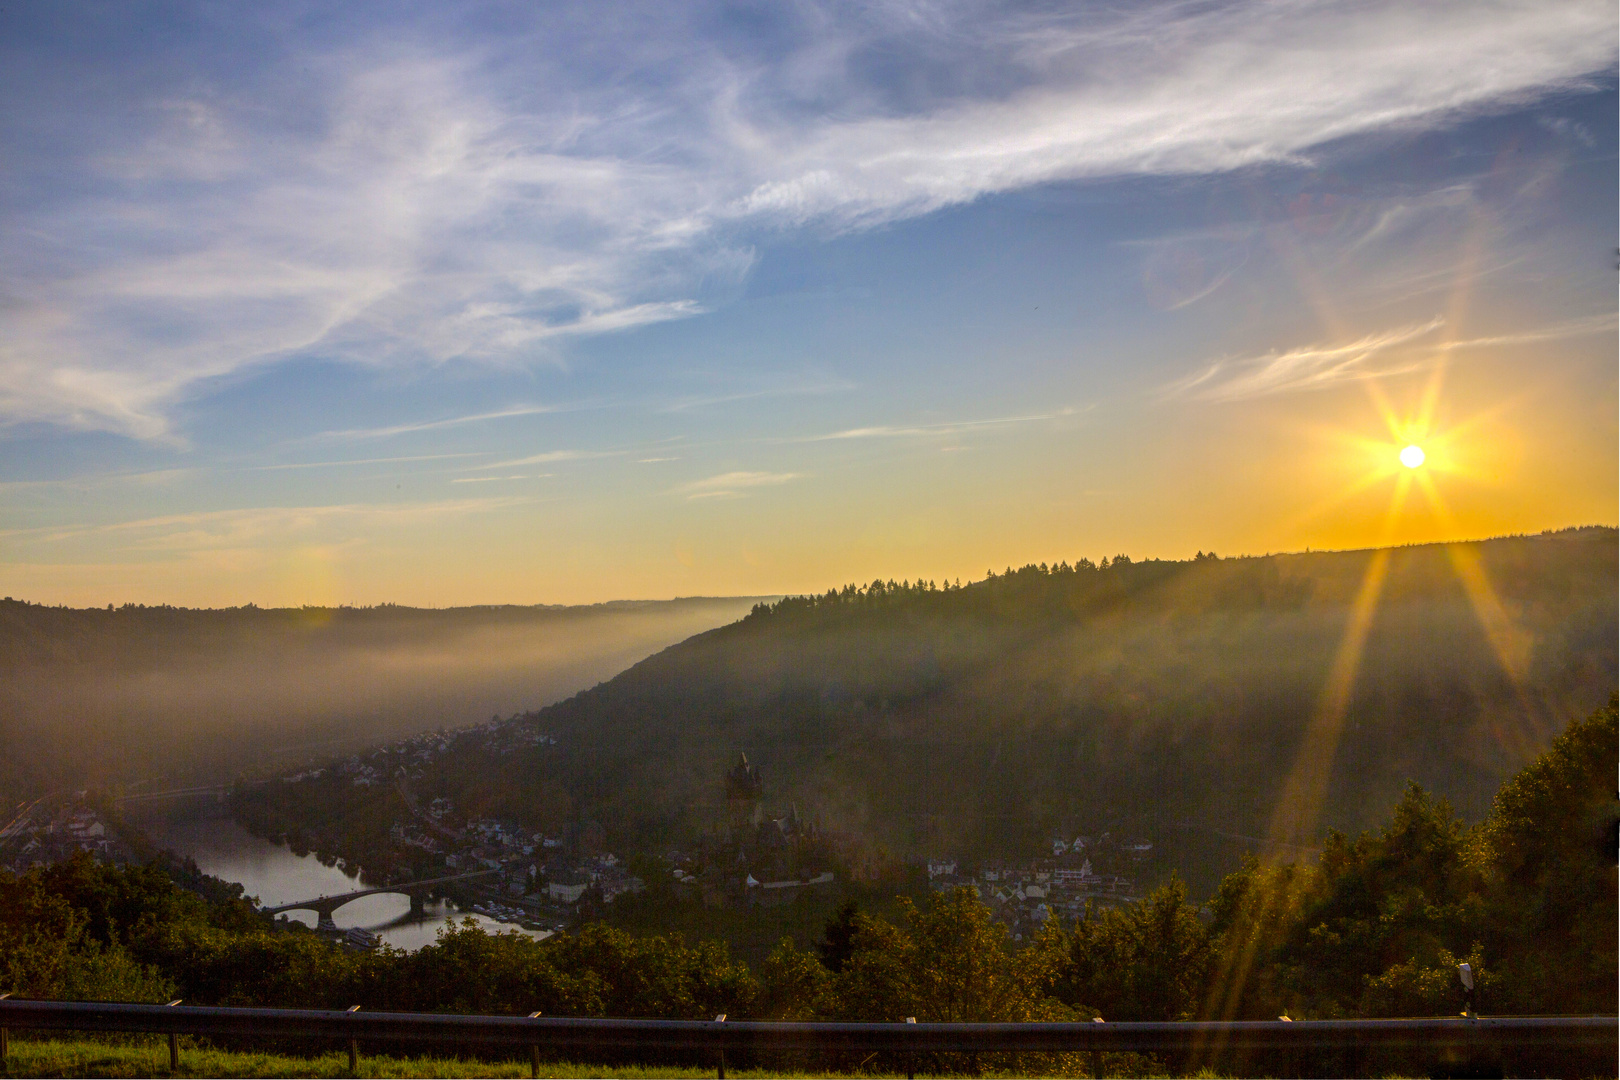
[104, 695]
[1166, 700]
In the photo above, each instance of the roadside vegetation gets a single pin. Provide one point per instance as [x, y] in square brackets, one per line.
[150, 1057]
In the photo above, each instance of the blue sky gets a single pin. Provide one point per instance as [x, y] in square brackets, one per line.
[480, 303]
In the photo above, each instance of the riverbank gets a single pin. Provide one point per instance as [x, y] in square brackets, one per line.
[274, 875]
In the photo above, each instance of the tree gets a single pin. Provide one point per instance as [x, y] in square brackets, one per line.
[1148, 961]
[838, 939]
[795, 985]
[1548, 854]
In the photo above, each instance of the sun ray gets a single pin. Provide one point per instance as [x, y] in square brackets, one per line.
[1371, 478]
[1417, 451]
[1304, 790]
[1300, 803]
[1512, 646]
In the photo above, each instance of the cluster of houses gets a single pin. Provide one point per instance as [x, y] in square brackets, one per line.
[51, 830]
[415, 754]
[540, 878]
[1025, 895]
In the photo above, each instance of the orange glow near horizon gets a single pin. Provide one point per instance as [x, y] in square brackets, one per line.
[1418, 453]
[1406, 459]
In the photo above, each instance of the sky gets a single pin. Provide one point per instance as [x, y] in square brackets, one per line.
[443, 304]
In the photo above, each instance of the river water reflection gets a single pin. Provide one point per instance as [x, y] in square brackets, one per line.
[275, 875]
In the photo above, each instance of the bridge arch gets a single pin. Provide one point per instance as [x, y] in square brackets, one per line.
[324, 906]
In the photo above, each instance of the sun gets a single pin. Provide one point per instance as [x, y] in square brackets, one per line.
[1412, 456]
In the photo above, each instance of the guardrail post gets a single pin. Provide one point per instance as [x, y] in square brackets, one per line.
[174, 1043]
[354, 1049]
[722, 1071]
[911, 1058]
[5, 1039]
[534, 1053]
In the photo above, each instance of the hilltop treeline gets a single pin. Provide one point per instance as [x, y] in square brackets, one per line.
[1058, 589]
[1376, 927]
[1161, 700]
[116, 695]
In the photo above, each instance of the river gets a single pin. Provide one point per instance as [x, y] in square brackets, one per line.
[222, 848]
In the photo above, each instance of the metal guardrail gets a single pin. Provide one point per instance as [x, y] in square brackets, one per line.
[1467, 1034]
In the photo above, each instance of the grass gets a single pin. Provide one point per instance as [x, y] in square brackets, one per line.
[149, 1056]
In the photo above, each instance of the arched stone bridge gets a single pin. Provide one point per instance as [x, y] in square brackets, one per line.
[324, 906]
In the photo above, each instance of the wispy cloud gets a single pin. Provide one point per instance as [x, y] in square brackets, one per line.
[492, 479]
[144, 479]
[1310, 367]
[1379, 355]
[259, 525]
[733, 485]
[434, 425]
[789, 389]
[1604, 323]
[886, 431]
[549, 457]
[364, 461]
[430, 199]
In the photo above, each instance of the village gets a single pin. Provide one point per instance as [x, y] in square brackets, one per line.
[1064, 884]
[753, 856]
[56, 827]
[537, 881]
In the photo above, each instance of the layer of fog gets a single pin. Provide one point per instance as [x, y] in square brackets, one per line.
[91, 697]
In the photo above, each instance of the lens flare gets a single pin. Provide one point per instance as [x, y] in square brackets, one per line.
[1412, 456]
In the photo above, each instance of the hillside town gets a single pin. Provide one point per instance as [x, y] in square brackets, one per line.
[1078, 874]
[536, 880]
[56, 827]
[755, 855]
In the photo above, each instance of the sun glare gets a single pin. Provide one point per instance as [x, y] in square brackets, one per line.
[1412, 456]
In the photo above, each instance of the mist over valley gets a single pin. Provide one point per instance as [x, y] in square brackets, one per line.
[118, 696]
[1167, 702]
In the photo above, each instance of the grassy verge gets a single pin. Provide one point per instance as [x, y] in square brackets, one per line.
[149, 1056]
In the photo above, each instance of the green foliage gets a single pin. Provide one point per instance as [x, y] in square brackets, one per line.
[838, 941]
[1375, 927]
[1548, 850]
[146, 1056]
[1147, 961]
[656, 976]
[1379, 924]
[48, 949]
[795, 985]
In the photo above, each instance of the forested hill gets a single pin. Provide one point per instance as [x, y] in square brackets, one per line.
[1158, 701]
[114, 695]
[1165, 699]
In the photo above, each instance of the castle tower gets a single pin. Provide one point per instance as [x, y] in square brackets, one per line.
[745, 796]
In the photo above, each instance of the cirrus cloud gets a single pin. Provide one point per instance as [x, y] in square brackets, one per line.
[440, 193]
[733, 485]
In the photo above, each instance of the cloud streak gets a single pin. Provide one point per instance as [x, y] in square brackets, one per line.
[733, 485]
[1309, 367]
[549, 457]
[259, 525]
[1379, 355]
[435, 425]
[952, 427]
[437, 194]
